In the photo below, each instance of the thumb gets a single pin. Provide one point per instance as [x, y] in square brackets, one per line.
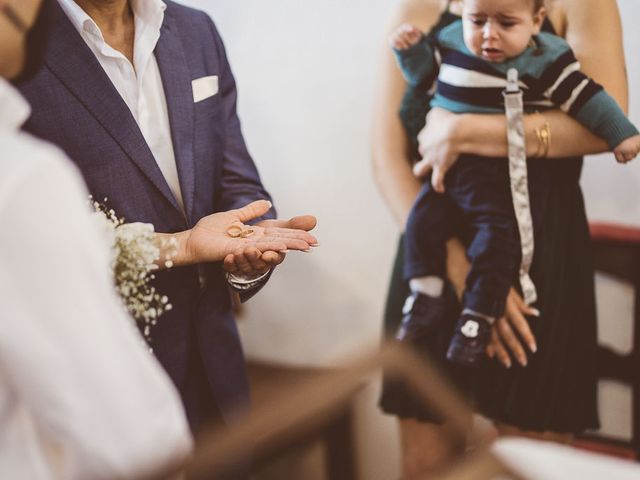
[437, 179]
[301, 222]
[422, 168]
[253, 210]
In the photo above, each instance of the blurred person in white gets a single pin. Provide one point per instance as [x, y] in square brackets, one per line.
[76, 400]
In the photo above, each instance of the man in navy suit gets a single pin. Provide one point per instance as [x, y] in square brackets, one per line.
[139, 93]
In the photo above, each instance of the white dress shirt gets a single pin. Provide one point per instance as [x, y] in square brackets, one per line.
[140, 84]
[80, 396]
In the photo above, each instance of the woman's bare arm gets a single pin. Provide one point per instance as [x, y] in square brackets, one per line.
[391, 165]
[594, 31]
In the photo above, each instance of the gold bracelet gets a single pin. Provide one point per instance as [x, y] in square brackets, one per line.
[543, 134]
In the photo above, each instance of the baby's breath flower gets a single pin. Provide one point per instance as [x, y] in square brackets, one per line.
[133, 259]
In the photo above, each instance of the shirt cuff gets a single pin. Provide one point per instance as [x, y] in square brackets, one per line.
[243, 282]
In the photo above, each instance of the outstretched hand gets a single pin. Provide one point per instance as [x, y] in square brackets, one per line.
[252, 261]
[208, 240]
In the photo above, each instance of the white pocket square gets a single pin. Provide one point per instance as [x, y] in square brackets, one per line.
[204, 88]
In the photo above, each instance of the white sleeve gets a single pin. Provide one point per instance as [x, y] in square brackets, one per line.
[66, 345]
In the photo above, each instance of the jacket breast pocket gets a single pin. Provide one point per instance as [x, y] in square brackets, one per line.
[204, 88]
[207, 102]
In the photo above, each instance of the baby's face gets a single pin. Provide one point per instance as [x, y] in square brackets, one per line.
[497, 30]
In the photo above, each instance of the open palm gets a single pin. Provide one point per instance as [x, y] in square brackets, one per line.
[209, 241]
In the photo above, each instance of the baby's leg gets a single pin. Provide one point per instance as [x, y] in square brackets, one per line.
[428, 229]
[482, 191]
[427, 232]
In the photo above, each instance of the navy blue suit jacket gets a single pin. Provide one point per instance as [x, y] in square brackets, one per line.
[77, 107]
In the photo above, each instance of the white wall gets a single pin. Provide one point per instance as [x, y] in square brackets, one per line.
[306, 72]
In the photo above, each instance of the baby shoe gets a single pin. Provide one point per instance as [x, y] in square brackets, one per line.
[471, 336]
[422, 315]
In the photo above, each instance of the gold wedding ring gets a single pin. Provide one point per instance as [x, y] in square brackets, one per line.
[239, 230]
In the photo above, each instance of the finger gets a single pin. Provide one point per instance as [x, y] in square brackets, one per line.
[524, 330]
[409, 39]
[253, 210]
[301, 222]
[287, 233]
[423, 141]
[490, 351]
[516, 298]
[269, 244]
[266, 243]
[519, 303]
[394, 41]
[254, 256]
[273, 258]
[624, 156]
[509, 338]
[230, 263]
[529, 310]
[422, 168]
[406, 27]
[401, 42]
[242, 263]
[519, 322]
[500, 350]
[437, 179]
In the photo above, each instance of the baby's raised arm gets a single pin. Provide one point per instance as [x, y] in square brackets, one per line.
[414, 53]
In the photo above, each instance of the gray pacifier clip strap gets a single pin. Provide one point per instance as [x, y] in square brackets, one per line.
[519, 184]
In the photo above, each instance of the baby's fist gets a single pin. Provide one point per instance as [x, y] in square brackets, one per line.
[405, 36]
[628, 149]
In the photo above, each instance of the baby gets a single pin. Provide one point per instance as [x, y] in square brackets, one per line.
[471, 58]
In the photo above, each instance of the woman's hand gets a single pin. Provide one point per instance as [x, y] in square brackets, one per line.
[503, 337]
[208, 240]
[438, 146]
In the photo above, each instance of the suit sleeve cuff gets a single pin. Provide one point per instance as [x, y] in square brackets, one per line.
[243, 282]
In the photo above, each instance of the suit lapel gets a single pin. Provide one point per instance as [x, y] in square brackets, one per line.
[74, 64]
[176, 79]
